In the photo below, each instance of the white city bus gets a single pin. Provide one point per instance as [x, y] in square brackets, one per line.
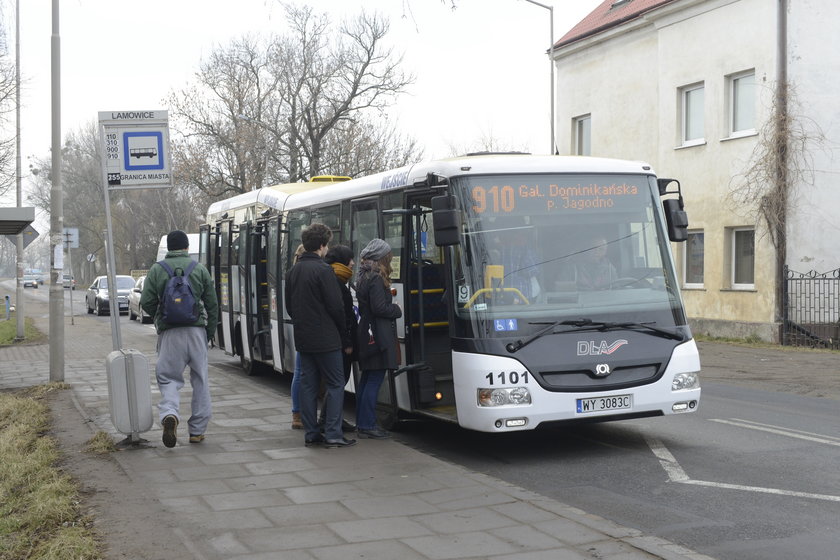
[499, 332]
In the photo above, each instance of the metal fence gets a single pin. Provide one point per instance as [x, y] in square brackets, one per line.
[812, 309]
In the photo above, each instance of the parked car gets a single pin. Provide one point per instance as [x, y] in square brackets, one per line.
[68, 281]
[97, 297]
[134, 309]
[30, 281]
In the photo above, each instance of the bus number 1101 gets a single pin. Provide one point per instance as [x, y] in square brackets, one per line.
[503, 378]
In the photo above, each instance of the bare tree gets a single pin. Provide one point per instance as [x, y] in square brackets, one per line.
[7, 111]
[217, 146]
[283, 110]
[781, 163]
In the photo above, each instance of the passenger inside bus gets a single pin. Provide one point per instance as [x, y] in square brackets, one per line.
[594, 271]
[515, 252]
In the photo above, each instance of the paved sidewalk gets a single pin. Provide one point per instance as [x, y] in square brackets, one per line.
[253, 491]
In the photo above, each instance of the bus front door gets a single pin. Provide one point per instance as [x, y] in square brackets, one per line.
[426, 317]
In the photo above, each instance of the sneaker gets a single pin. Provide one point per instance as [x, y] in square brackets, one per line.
[342, 442]
[316, 441]
[196, 438]
[375, 433]
[347, 426]
[170, 425]
[297, 422]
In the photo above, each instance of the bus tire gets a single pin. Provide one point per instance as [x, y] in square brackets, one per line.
[249, 366]
[388, 418]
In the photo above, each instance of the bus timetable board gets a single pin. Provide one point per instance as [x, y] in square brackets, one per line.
[135, 149]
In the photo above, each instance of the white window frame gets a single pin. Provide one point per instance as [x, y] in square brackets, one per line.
[732, 83]
[684, 93]
[733, 255]
[693, 285]
[583, 139]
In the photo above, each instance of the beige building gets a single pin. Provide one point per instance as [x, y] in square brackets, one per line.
[690, 86]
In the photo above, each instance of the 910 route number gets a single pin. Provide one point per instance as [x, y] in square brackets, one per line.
[502, 378]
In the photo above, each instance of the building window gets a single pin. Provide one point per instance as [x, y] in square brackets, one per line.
[692, 101]
[693, 260]
[742, 103]
[583, 135]
[743, 258]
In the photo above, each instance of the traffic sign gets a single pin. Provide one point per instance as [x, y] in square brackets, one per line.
[135, 149]
[30, 234]
[71, 238]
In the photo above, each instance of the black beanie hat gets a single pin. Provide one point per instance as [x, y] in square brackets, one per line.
[177, 240]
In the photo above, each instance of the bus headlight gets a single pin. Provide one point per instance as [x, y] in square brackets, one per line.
[687, 380]
[504, 396]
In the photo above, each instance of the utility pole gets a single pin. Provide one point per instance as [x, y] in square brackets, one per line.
[19, 313]
[56, 213]
[553, 147]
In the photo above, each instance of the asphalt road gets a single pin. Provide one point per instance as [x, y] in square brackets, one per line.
[750, 476]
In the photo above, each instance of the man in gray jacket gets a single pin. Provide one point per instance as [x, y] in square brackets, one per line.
[182, 345]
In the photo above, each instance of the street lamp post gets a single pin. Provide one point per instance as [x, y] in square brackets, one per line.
[550, 9]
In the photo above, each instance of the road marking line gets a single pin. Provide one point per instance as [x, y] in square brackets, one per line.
[668, 461]
[779, 430]
[677, 474]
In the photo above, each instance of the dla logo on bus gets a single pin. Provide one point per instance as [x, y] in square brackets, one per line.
[592, 348]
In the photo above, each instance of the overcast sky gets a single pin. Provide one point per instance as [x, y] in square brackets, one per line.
[481, 69]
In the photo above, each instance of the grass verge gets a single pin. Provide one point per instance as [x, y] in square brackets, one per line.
[40, 514]
[8, 331]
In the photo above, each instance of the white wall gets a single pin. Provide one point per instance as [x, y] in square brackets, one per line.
[814, 68]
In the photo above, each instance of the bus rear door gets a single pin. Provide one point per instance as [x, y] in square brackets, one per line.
[254, 326]
[223, 279]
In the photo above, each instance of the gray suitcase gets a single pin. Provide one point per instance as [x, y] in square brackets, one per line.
[130, 397]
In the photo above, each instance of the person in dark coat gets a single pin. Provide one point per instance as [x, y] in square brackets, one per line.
[313, 301]
[340, 258]
[377, 333]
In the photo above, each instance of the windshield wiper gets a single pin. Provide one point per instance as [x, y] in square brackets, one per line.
[519, 344]
[585, 324]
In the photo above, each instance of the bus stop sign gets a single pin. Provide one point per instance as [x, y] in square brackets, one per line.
[135, 149]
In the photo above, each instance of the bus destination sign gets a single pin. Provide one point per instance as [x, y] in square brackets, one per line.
[538, 198]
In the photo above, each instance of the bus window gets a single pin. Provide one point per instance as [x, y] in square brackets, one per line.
[330, 217]
[345, 223]
[393, 232]
[365, 219]
[297, 221]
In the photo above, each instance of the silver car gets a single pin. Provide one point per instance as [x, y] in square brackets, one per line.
[134, 309]
[97, 297]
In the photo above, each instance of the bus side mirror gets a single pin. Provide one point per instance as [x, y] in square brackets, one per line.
[677, 220]
[446, 221]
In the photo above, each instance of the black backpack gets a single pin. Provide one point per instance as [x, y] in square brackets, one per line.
[178, 305]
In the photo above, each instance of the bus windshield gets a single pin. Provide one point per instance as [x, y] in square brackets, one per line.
[540, 248]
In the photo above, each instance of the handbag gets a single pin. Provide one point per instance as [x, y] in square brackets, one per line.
[368, 345]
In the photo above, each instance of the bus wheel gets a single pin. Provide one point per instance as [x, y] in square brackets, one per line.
[248, 366]
[388, 418]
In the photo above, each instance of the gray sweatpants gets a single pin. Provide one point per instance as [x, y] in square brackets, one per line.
[178, 348]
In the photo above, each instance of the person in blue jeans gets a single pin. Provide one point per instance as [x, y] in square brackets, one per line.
[377, 333]
[297, 423]
[313, 301]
